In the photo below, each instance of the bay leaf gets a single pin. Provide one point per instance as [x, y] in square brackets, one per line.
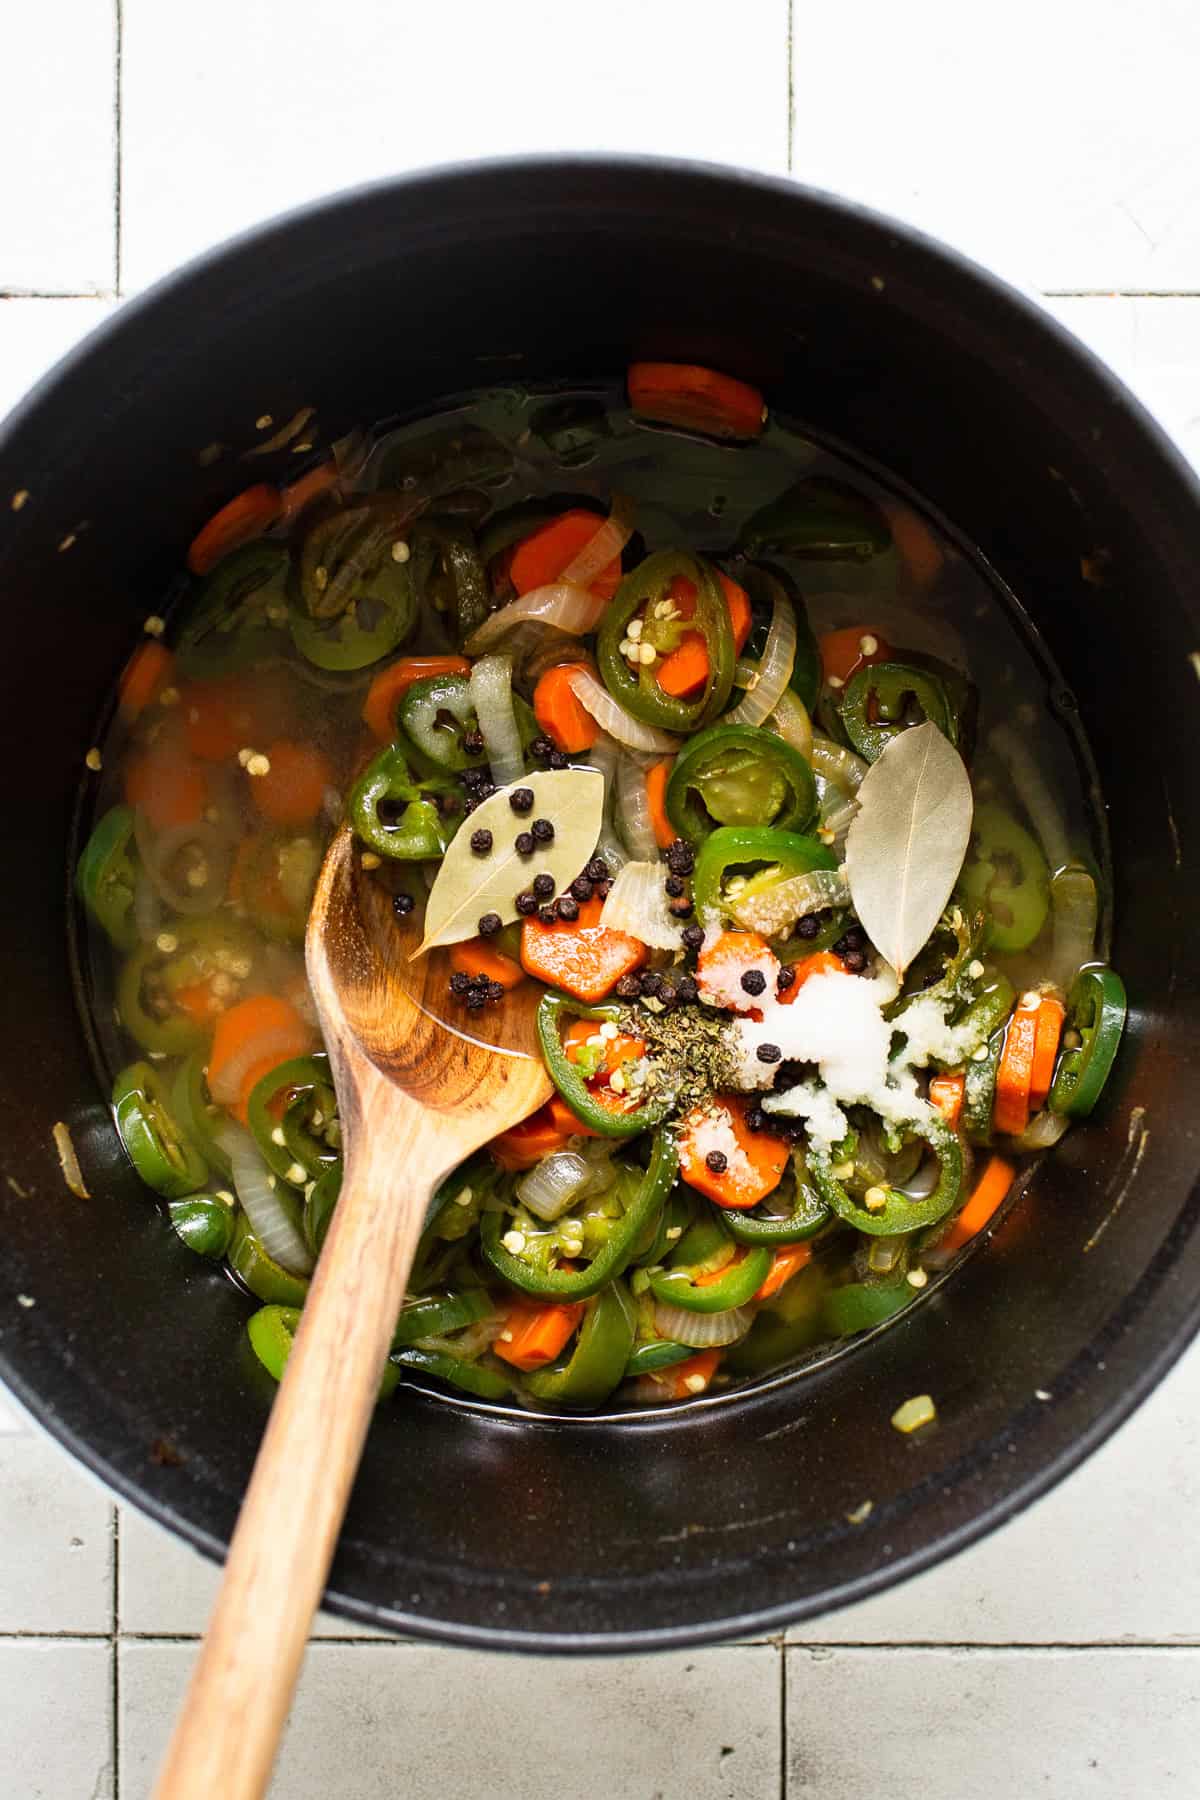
[467, 886]
[906, 845]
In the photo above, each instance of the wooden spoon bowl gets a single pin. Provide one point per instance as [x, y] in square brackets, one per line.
[418, 1090]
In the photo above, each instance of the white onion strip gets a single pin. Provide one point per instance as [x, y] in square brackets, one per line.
[492, 699]
[778, 907]
[1076, 907]
[612, 717]
[839, 767]
[1035, 795]
[603, 755]
[791, 722]
[637, 905]
[261, 1201]
[702, 1331]
[564, 604]
[280, 1043]
[607, 543]
[549, 1188]
[770, 680]
[633, 810]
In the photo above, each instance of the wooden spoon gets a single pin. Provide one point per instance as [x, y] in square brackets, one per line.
[417, 1092]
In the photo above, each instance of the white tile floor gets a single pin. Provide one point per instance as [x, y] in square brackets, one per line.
[1062, 1657]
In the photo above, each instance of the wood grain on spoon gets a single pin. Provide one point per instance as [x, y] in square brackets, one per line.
[416, 1094]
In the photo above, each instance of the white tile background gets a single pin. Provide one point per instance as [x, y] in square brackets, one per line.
[1054, 141]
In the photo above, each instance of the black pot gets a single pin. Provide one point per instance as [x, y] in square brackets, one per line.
[730, 1515]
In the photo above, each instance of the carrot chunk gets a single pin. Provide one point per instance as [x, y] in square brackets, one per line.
[293, 790]
[657, 777]
[843, 653]
[534, 1335]
[565, 722]
[525, 1144]
[990, 1190]
[696, 399]
[685, 670]
[245, 517]
[789, 1259]
[946, 1093]
[478, 957]
[168, 787]
[750, 1164]
[1014, 1077]
[541, 558]
[722, 964]
[144, 676]
[579, 956]
[391, 684]
[1050, 1020]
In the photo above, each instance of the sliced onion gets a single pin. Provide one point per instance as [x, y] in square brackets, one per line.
[837, 823]
[604, 756]
[551, 1185]
[611, 717]
[702, 1331]
[258, 1192]
[230, 1078]
[1043, 1132]
[563, 604]
[492, 699]
[777, 908]
[637, 905]
[158, 851]
[1076, 907]
[147, 908]
[608, 542]
[633, 809]
[836, 766]
[791, 722]
[769, 682]
[1034, 793]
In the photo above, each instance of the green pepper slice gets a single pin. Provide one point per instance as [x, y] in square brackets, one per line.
[272, 1332]
[318, 1207]
[899, 1214]
[150, 978]
[436, 1314]
[1006, 872]
[193, 1106]
[643, 1193]
[595, 1363]
[569, 1079]
[449, 573]
[260, 1273]
[862, 1304]
[204, 1222]
[436, 714]
[484, 1382]
[106, 876]
[884, 699]
[416, 831]
[654, 1354]
[733, 1284]
[807, 1215]
[156, 1146]
[737, 776]
[640, 694]
[278, 874]
[821, 519]
[1096, 1008]
[667, 1228]
[784, 1326]
[759, 857]
[237, 616]
[298, 1102]
[356, 601]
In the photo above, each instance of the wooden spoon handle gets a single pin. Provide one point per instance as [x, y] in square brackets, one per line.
[236, 1705]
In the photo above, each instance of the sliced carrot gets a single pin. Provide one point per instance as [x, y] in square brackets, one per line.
[244, 518]
[580, 956]
[1014, 1077]
[722, 964]
[210, 721]
[1050, 1020]
[391, 684]
[843, 653]
[294, 788]
[167, 787]
[571, 1125]
[254, 1074]
[990, 1190]
[478, 957]
[251, 1038]
[144, 676]
[682, 1381]
[198, 1001]
[821, 962]
[568, 724]
[686, 669]
[618, 1050]
[918, 549]
[305, 489]
[696, 399]
[541, 557]
[754, 1160]
[789, 1259]
[525, 1144]
[534, 1335]
[657, 777]
[946, 1094]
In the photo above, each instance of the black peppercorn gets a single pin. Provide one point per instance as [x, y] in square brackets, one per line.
[476, 1001]
[769, 1053]
[754, 981]
[808, 926]
[688, 989]
[693, 936]
[717, 1161]
[459, 983]
[785, 979]
[402, 905]
[602, 889]
[485, 790]
[581, 887]
[481, 841]
[526, 902]
[756, 1119]
[543, 831]
[651, 982]
[543, 885]
[628, 988]
[855, 961]
[597, 869]
[521, 800]
[680, 909]
[681, 858]
[568, 908]
[473, 778]
[548, 915]
[523, 843]
[667, 994]
[472, 743]
[495, 991]
[675, 886]
[489, 924]
[557, 760]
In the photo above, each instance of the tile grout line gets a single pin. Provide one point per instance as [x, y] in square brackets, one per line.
[116, 1655]
[118, 149]
[791, 85]
[783, 1720]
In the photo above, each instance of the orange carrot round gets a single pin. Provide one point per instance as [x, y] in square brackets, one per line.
[541, 557]
[1014, 1077]
[306, 488]
[534, 1333]
[293, 790]
[657, 777]
[991, 1188]
[525, 1144]
[478, 957]
[167, 787]
[569, 725]
[685, 669]
[144, 676]
[946, 1092]
[754, 1160]
[391, 684]
[580, 956]
[244, 518]
[845, 652]
[696, 399]
[252, 1038]
[918, 549]
[788, 1260]
[1051, 1017]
